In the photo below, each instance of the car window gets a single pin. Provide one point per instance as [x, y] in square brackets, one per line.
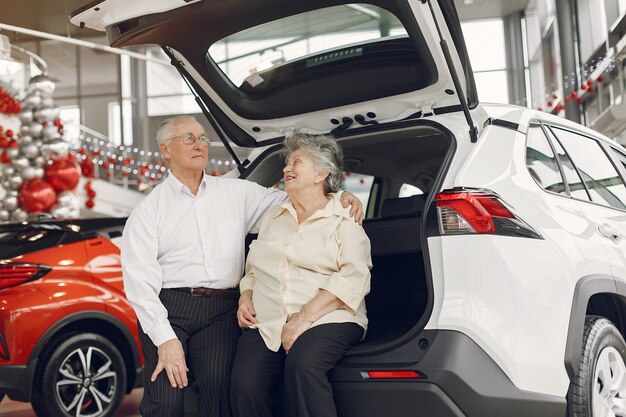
[408, 190]
[360, 185]
[248, 57]
[619, 156]
[574, 182]
[598, 173]
[541, 162]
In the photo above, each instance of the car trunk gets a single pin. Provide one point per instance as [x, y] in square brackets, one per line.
[399, 300]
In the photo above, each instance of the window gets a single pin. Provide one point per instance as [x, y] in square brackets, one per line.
[360, 185]
[245, 56]
[541, 162]
[408, 190]
[574, 182]
[598, 173]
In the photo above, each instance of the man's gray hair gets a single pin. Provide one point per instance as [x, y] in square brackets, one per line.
[164, 133]
[326, 153]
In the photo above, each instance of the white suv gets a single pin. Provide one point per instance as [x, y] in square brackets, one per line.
[497, 231]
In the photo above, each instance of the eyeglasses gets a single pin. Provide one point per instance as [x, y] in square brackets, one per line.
[190, 138]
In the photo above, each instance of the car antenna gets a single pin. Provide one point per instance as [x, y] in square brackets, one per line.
[455, 77]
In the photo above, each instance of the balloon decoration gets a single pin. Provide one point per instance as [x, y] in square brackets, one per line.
[37, 171]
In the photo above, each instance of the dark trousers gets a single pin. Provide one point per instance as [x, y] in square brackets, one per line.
[259, 374]
[207, 328]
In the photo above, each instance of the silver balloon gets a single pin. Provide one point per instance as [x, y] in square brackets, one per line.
[35, 129]
[45, 114]
[12, 153]
[55, 147]
[26, 116]
[26, 140]
[50, 132]
[4, 183]
[20, 162]
[16, 181]
[67, 199]
[30, 151]
[28, 173]
[39, 172]
[47, 102]
[9, 201]
[42, 83]
[19, 215]
[4, 215]
[32, 100]
[39, 161]
[7, 170]
[38, 142]
[60, 212]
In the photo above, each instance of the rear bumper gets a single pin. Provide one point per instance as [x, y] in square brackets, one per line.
[460, 380]
[17, 381]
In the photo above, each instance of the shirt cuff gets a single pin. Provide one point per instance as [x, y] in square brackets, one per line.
[161, 334]
[246, 283]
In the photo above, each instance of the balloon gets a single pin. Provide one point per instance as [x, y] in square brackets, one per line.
[42, 84]
[55, 147]
[8, 170]
[60, 212]
[63, 174]
[16, 181]
[39, 161]
[18, 215]
[29, 173]
[4, 215]
[9, 201]
[20, 162]
[26, 116]
[37, 196]
[32, 100]
[47, 102]
[35, 129]
[50, 132]
[26, 140]
[67, 199]
[39, 172]
[12, 153]
[30, 151]
[45, 115]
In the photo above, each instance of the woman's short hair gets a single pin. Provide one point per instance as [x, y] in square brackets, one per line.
[164, 133]
[326, 153]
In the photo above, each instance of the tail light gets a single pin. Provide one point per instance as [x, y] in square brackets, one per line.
[13, 273]
[480, 212]
[392, 375]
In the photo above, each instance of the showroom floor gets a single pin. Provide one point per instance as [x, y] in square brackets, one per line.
[15, 409]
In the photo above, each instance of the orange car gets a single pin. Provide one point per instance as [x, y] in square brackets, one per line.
[68, 336]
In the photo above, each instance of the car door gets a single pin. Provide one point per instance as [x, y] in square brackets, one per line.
[604, 184]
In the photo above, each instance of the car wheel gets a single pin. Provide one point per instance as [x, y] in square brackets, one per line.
[600, 386]
[84, 376]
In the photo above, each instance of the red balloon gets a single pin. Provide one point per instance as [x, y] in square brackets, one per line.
[37, 196]
[63, 174]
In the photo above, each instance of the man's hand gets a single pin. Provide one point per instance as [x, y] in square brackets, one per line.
[172, 359]
[356, 210]
[297, 325]
[246, 313]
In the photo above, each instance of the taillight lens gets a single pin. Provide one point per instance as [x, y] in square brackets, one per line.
[468, 212]
[392, 375]
[13, 273]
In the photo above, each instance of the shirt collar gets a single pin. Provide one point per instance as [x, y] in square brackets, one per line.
[180, 188]
[332, 208]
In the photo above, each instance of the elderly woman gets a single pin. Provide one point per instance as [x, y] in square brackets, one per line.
[302, 298]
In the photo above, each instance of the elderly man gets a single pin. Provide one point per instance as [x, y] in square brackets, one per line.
[182, 259]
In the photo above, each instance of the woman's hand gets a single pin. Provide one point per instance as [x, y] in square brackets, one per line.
[293, 329]
[356, 209]
[246, 316]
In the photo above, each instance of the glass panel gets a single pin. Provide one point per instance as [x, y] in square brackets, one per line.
[408, 190]
[574, 182]
[541, 162]
[360, 185]
[242, 55]
[492, 86]
[599, 174]
[485, 44]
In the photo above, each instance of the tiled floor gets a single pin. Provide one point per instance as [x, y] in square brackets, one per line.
[129, 407]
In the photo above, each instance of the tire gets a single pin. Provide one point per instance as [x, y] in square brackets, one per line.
[84, 376]
[599, 388]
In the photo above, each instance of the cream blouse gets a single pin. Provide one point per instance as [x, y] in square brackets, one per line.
[289, 263]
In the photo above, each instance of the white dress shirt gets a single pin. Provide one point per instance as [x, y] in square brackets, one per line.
[175, 239]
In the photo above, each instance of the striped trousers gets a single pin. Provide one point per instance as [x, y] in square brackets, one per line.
[207, 328]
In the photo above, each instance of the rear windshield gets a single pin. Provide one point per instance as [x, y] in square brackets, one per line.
[20, 242]
[246, 57]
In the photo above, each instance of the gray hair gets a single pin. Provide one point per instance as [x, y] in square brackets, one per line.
[164, 133]
[326, 153]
